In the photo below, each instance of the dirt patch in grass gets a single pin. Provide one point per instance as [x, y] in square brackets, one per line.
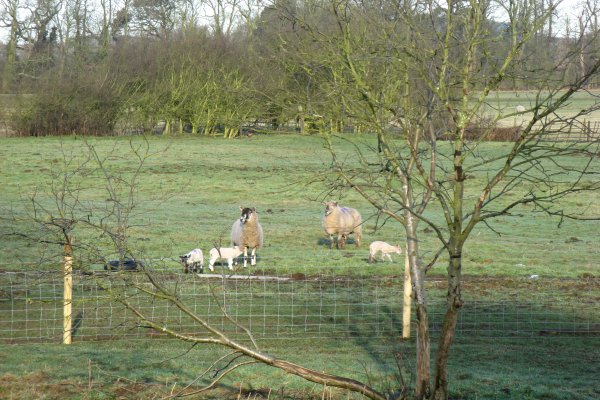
[578, 289]
[40, 385]
[37, 385]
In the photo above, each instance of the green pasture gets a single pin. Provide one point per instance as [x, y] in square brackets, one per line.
[505, 102]
[189, 191]
[512, 341]
[548, 368]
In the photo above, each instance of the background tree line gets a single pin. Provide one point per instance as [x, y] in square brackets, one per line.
[213, 66]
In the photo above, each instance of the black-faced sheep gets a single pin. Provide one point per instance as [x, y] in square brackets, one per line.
[343, 221]
[192, 261]
[385, 248]
[247, 233]
[224, 253]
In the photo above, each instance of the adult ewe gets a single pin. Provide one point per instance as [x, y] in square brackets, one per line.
[247, 233]
[343, 221]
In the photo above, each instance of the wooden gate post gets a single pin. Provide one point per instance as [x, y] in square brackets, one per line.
[407, 298]
[68, 293]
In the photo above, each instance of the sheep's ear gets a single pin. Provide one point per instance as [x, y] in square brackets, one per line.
[254, 209]
[334, 203]
[241, 208]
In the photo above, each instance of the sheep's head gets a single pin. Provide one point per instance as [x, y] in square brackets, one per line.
[183, 259]
[247, 214]
[330, 206]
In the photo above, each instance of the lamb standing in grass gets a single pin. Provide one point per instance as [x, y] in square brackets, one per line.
[385, 248]
[247, 233]
[223, 253]
[192, 261]
[343, 221]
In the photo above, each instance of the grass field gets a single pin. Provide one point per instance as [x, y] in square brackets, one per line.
[505, 102]
[188, 196]
[190, 191]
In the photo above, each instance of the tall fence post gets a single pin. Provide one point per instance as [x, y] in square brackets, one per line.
[407, 298]
[68, 293]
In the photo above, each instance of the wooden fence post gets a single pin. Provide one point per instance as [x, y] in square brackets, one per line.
[407, 298]
[68, 293]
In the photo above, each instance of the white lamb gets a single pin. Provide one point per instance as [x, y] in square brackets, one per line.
[385, 248]
[192, 261]
[224, 253]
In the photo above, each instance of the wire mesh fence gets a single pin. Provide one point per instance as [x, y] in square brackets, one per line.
[270, 306]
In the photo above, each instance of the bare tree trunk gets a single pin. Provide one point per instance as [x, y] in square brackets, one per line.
[453, 298]
[423, 374]
[454, 303]
[582, 47]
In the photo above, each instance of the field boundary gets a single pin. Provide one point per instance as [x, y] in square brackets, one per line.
[272, 307]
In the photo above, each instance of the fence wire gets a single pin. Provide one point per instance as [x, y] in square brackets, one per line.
[283, 306]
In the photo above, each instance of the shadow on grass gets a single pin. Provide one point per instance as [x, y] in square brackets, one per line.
[325, 242]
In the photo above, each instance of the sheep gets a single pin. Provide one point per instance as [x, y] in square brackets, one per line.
[192, 261]
[343, 221]
[247, 233]
[520, 109]
[384, 248]
[223, 253]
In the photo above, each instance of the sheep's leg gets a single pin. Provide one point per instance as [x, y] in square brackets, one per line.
[230, 263]
[253, 261]
[245, 256]
[390, 257]
[341, 241]
[211, 263]
[331, 242]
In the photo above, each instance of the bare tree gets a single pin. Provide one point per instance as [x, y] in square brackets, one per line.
[223, 15]
[417, 73]
[10, 20]
[153, 18]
